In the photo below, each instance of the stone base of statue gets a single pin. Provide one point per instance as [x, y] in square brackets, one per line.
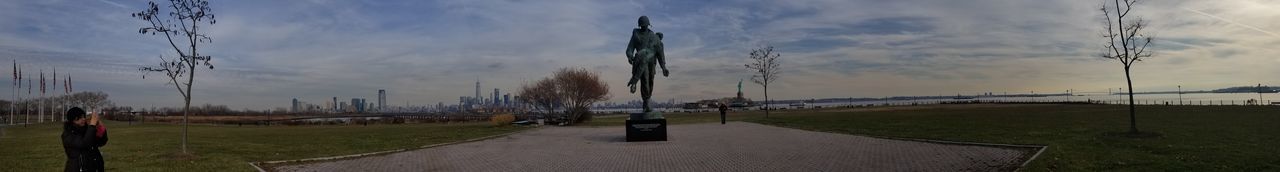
[646, 127]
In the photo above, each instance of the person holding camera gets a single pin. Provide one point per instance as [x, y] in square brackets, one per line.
[81, 138]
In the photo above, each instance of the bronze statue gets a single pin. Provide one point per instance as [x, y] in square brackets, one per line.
[644, 49]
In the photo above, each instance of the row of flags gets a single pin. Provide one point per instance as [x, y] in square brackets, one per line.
[17, 80]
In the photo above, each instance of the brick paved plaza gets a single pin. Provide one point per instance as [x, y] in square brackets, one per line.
[737, 146]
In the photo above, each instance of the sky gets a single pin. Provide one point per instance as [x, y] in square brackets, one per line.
[266, 53]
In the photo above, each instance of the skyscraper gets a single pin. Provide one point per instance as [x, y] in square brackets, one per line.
[382, 99]
[477, 97]
[342, 107]
[294, 107]
[355, 105]
[335, 104]
[495, 97]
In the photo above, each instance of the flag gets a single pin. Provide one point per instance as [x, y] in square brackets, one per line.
[15, 71]
[66, 85]
[19, 77]
[42, 82]
[54, 79]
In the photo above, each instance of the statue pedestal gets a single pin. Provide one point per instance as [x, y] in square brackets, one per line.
[646, 127]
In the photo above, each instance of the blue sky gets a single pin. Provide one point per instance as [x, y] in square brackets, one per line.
[424, 52]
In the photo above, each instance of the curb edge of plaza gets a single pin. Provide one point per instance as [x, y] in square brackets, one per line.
[1040, 148]
[258, 165]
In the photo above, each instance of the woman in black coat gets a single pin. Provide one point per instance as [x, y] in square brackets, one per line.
[81, 138]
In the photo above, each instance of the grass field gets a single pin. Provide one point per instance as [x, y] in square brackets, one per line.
[154, 147]
[1080, 137]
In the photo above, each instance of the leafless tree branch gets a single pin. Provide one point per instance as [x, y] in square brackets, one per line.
[766, 68]
[1126, 42]
[181, 25]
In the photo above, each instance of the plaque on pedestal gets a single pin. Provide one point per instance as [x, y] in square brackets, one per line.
[646, 129]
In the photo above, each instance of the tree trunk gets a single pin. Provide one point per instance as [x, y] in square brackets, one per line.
[186, 110]
[186, 107]
[766, 101]
[1133, 122]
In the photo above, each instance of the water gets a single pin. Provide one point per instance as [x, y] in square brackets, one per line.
[1187, 99]
[1158, 99]
[632, 110]
[1172, 99]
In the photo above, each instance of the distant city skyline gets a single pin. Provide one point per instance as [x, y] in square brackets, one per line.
[428, 53]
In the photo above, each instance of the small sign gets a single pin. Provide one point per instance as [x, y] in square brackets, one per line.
[647, 130]
[646, 127]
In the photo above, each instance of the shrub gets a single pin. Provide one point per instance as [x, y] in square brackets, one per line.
[503, 119]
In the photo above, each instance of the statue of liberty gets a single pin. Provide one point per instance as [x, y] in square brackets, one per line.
[739, 88]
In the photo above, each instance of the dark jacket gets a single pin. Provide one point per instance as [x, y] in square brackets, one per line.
[81, 146]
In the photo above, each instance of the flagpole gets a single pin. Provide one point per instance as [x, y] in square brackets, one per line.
[56, 103]
[27, 108]
[26, 119]
[40, 104]
[44, 101]
[13, 105]
[18, 91]
[13, 87]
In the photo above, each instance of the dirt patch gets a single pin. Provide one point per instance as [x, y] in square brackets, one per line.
[1133, 135]
[179, 156]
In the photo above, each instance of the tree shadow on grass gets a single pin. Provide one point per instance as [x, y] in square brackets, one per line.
[1133, 135]
[179, 156]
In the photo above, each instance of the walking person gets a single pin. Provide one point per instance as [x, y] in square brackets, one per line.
[81, 137]
[723, 108]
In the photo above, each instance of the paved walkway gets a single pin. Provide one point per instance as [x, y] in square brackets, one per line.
[737, 146]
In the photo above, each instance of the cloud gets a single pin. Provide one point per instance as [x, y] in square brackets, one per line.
[114, 4]
[424, 52]
[1273, 34]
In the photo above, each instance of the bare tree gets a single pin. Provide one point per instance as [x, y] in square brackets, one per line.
[574, 89]
[542, 95]
[1127, 42]
[91, 100]
[764, 64]
[182, 29]
[580, 89]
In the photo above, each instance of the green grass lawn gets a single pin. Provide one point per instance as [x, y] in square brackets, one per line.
[1080, 137]
[153, 147]
[1195, 138]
